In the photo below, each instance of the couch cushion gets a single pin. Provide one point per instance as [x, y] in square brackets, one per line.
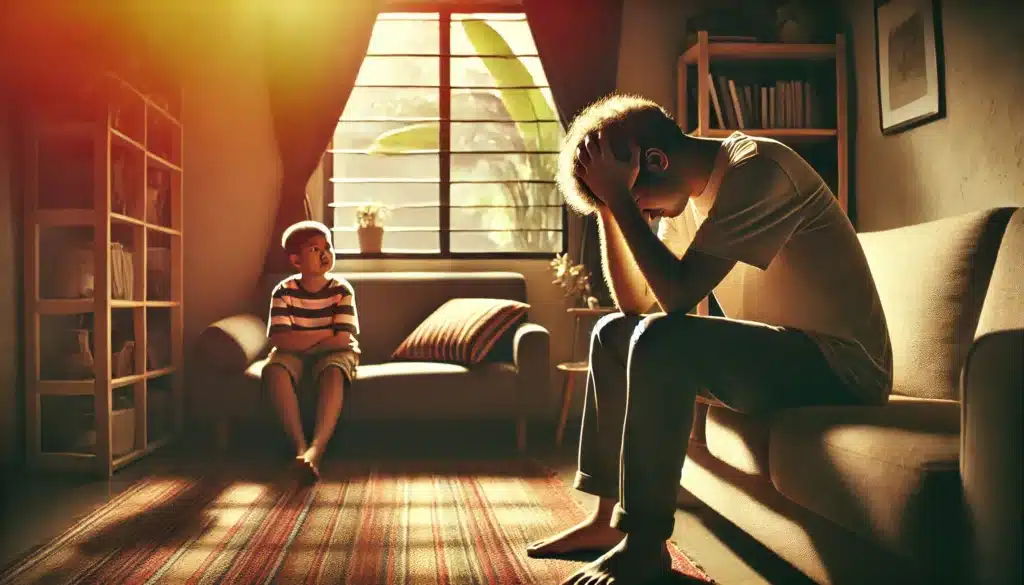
[395, 391]
[461, 331]
[889, 473]
[392, 304]
[739, 440]
[932, 279]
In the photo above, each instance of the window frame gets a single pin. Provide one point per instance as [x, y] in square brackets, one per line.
[445, 11]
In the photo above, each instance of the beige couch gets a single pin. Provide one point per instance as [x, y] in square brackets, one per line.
[511, 385]
[926, 489]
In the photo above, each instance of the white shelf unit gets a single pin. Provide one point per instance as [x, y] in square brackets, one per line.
[103, 191]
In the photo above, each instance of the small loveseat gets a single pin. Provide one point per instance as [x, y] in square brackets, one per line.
[511, 384]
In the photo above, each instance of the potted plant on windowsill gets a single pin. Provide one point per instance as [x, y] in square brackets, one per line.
[370, 229]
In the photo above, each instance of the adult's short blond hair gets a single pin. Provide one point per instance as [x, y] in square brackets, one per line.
[622, 118]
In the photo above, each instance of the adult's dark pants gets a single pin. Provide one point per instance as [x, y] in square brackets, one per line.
[645, 375]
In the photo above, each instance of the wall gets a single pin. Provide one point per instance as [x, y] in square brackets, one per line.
[972, 159]
[653, 37]
[11, 409]
[231, 166]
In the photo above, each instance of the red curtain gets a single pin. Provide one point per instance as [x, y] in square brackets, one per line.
[578, 42]
[314, 50]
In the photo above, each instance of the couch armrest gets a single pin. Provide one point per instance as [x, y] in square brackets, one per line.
[231, 345]
[531, 354]
[990, 455]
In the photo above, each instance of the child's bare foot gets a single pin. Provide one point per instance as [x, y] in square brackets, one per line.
[306, 470]
[629, 562]
[313, 454]
[591, 535]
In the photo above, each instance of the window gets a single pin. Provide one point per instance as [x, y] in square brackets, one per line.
[451, 124]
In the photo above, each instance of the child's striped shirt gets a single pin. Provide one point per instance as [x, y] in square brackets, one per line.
[333, 307]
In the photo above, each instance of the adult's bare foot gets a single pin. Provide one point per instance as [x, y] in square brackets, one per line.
[631, 562]
[591, 535]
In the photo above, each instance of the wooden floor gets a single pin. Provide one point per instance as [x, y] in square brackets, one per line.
[37, 508]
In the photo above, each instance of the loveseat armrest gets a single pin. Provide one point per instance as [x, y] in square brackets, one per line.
[531, 354]
[990, 455]
[232, 344]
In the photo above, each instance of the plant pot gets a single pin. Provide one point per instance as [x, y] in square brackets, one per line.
[371, 239]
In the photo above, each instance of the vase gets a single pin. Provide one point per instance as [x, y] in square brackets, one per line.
[371, 239]
[124, 362]
[79, 362]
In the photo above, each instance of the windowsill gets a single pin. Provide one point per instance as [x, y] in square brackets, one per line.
[450, 256]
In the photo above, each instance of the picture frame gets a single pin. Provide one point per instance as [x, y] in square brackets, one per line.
[909, 64]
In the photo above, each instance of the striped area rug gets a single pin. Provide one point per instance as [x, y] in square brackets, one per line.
[391, 523]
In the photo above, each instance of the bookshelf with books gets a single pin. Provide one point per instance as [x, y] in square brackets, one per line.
[103, 276]
[794, 93]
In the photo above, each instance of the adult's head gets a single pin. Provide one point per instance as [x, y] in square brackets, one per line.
[668, 171]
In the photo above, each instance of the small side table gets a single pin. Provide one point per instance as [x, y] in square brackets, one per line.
[573, 367]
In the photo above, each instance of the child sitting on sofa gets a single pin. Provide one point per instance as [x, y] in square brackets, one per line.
[312, 327]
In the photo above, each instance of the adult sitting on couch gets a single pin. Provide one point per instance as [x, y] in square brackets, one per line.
[758, 202]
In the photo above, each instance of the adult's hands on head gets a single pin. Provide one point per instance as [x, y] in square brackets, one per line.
[608, 177]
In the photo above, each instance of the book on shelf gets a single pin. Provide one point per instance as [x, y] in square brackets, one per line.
[784, 103]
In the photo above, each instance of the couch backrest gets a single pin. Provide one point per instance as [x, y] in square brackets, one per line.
[932, 279]
[1004, 303]
[392, 304]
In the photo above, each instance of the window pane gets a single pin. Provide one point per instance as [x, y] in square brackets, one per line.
[414, 217]
[503, 167]
[398, 217]
[506, 136]
[521, 194]
[504, 241]
[362, 135]
[378, 102]
[369, 166]
[490, 104]
[506, 218]
[399, 71]
[497, 72]
[347, 241]
[514, 31]
[409, 37]
[352, 194]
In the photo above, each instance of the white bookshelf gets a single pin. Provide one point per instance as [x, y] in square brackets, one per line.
[103, 255]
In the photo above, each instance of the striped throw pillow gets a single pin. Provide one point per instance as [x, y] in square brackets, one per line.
[461, 331]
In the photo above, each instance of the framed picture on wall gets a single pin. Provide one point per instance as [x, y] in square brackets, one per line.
[908, 54]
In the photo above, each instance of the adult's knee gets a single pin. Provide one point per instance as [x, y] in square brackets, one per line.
[611, 328]
[660, 339]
